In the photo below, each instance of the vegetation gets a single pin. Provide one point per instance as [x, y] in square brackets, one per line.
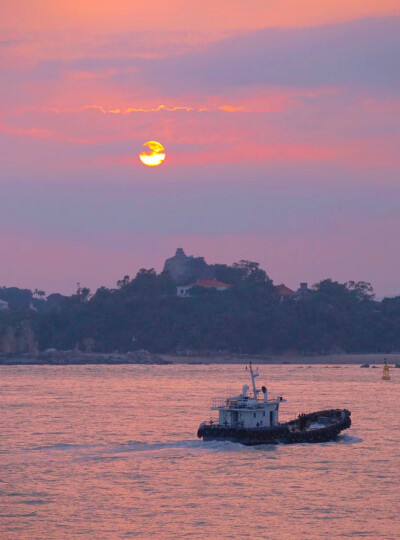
[145, 313]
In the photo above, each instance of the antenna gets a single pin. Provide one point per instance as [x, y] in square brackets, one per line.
[253, 377]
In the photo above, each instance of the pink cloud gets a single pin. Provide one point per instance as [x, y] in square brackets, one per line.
[208, 16]
[329, 125]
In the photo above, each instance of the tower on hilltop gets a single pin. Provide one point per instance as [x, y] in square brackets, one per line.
[185, 269]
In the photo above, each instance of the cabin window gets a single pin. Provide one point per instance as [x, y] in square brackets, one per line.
[254, 414]
[264, 413]
[271, 417]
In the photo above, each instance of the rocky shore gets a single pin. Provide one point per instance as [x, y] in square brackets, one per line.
[393, 359]
[64, 358]
[74, 357]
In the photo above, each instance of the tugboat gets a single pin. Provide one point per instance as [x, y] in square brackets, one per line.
[253, 419]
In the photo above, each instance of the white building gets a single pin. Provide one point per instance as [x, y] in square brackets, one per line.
[3, 305]
[184, 290]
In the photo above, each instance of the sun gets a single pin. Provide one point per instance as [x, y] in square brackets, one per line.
[157, 155]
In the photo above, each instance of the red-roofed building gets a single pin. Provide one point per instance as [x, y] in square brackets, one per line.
[283, 293]
[184, 290]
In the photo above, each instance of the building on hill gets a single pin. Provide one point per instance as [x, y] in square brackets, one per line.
[184, 269]
[303, 292]
[3, 305]
[282, 293]
[184, 290]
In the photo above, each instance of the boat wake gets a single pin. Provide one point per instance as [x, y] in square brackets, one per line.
[122, 450]
[139, 446]
[177, 449]
[348, 439]
[212, 446]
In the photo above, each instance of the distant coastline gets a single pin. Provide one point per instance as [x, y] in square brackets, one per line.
[65, 358]
[54, 357]
[332, 359]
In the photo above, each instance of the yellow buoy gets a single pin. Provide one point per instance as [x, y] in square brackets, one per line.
[385, 376]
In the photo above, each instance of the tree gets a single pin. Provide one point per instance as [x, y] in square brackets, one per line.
[19, 299]
[251, 272]
[82, 293]
[362, 290]
[39, 294]
[123, 282]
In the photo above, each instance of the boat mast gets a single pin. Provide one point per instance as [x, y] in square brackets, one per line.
[253, 377]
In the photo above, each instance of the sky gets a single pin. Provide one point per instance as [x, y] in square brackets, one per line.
[280, 122]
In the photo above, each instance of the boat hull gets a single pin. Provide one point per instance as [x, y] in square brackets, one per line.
[301, 430]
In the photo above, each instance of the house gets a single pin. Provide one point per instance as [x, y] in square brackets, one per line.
[281, 292]
[184, 290]
[3, 305]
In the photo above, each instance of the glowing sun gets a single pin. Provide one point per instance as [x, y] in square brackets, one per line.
[156, 155]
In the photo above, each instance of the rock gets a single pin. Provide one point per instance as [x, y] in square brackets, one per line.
[184, 269]
[18, 339]
[364, 365]
[142, 356]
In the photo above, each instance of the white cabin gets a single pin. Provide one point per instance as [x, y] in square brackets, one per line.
[248, 411]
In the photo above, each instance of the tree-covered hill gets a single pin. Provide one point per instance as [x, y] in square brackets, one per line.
[146, 313]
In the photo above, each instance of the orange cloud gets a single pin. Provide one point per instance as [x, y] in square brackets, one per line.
[229, 108]
[318, 125]
[130, 110]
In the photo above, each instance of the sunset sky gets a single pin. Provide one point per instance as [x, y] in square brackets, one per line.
[280, 121]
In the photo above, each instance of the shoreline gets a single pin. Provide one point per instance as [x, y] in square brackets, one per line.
[67, 358]
[334, 359]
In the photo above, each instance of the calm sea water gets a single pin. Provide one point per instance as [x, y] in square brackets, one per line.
[111, 452]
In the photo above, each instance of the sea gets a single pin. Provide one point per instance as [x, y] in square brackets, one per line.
[110, 452]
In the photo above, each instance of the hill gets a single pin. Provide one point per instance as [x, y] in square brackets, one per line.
[246, 317]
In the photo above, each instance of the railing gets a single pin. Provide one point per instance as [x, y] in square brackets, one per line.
[211, 423]
[233, 403]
